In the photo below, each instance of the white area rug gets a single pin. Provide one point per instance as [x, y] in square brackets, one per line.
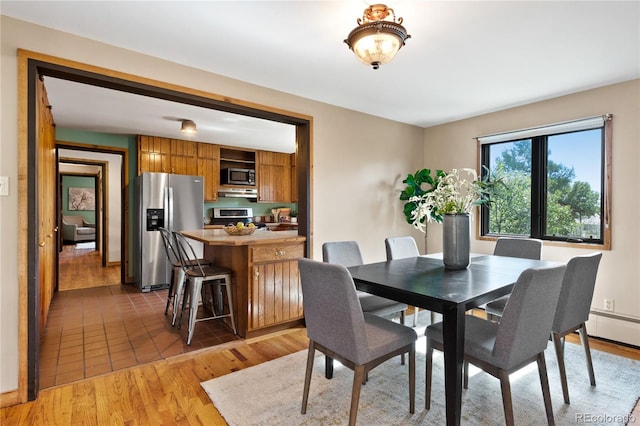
[271, 393]
[85, 246]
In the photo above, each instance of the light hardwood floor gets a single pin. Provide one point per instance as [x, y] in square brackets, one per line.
[168, 391]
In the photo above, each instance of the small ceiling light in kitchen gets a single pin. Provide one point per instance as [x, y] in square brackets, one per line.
[188, 127]
[375, 40]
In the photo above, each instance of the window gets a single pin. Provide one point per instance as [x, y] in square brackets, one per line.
[554, 182]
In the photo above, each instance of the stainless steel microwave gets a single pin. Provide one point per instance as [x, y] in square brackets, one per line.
[232, 176]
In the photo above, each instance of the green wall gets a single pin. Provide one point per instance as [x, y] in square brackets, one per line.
[77, 182]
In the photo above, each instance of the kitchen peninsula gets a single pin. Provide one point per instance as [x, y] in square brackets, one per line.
[266, 284]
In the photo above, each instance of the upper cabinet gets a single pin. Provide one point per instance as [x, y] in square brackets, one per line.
[154, 154]
[274, 177]
[237, 158]
[164, 155]
[209, 167]
[294, 179]
[275, 171]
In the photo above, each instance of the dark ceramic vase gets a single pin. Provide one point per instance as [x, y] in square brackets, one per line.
[456, 241]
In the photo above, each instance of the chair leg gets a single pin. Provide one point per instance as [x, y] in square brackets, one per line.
[507, 405]
[433, 317]
[307, 376]
[328, 367]
[358, 377]
[587, 352]
[544, 383]
[557, 343]
[465, 375]
[412, 379]
[402, 322]
[193, 307]
[428, 374]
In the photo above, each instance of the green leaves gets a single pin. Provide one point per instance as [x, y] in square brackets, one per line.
[418, 184]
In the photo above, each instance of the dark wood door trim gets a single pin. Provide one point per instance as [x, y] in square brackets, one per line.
[32, 64]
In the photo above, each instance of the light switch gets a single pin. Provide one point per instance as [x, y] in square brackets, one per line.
[4, 186]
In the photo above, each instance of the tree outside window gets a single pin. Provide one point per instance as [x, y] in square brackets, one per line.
[553, 186]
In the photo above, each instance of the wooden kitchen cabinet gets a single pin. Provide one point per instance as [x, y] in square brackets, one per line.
[274, 177]
[209, 168]
[184, 159]
[294, 179]
[267, 294]
[164, 155]
[154, 154]
[275, 293]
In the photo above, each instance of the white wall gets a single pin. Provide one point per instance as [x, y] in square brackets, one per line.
[114, 201]
[452, 145]
[359, 160]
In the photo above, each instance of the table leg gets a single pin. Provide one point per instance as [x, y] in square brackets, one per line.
[453, 340]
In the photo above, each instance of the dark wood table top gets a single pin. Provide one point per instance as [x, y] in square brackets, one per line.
[424, 281]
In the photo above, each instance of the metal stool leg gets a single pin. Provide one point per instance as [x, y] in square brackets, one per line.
[178, 295]
[170, 292]
[193, 306]
[227, 281]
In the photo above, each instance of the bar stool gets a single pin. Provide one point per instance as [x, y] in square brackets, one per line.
[176, 283]
[197, 279]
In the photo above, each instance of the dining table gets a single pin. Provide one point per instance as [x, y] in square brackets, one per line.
[424, 282]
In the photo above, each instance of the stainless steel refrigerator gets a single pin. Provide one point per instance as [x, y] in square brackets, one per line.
[163, 200]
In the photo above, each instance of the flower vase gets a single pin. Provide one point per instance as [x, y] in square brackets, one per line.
[456, 240]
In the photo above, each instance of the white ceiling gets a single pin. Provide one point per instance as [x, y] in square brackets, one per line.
[463, 58]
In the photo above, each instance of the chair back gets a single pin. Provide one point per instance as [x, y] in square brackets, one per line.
[73, 220]
[169, 246]
[401, 247]
[525, 326]
[332, 311]
[577, 292]
[345, 253]
[526, 248]
[186, 254]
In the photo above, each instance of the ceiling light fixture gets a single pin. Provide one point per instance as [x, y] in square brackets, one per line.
[188, 127]
[375, 41]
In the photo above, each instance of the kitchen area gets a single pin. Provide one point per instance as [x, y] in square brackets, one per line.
[251, 193]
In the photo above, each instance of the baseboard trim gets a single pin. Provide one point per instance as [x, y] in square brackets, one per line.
[8, 399]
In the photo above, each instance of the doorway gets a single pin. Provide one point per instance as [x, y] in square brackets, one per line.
[32, 67]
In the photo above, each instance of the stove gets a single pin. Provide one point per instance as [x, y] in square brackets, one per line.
[232, 215]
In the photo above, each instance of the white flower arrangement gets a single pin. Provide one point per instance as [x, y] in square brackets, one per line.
[454, 192]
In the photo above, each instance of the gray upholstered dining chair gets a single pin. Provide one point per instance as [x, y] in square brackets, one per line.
[197, 276]
[337, 327]
[401, 248]
[347, 253]
[525, 248]
[573, 311]
[516, 341]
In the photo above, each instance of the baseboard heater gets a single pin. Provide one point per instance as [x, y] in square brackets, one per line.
[615, 316]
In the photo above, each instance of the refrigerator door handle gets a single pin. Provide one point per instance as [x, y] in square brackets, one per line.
[168, 199]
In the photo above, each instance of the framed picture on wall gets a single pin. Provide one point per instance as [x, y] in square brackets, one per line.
[82, 199]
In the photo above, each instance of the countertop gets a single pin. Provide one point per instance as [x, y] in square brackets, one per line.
[290, 225]
[218, 237]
